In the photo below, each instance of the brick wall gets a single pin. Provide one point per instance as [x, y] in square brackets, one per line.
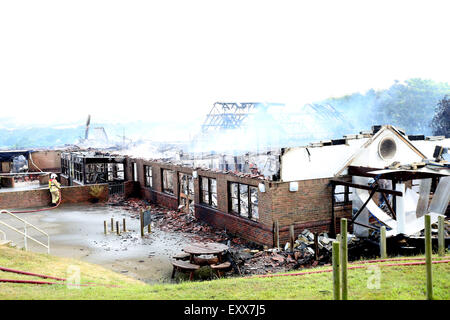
[245, 228]
[42, 197]
[308, 208]
[260, 232]
[49, 160]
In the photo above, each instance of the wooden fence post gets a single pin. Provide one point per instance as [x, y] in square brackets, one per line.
[441, 238]
[383, 252]
[428, 256]
[141, 218]
[105, 227]
[336, 271]
[276, 234]
[112, 225]
[344, 258]
[124, 225]
[117, 228]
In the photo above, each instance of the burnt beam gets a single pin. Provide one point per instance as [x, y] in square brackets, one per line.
[364, 187]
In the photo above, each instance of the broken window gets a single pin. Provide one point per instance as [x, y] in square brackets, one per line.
[119, 171]
[342, 195]
[167, 180]
[244, 200]
[97, 173]
[186, 192]
[208, 192]
[78, 172]
[148, 172]
[65, 166]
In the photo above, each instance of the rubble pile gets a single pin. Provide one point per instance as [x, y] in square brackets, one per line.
[177, 221]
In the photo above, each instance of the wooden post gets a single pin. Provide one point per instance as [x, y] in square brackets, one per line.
[149, 227]
[124, 225]
[336, 275]
[383, 253]
[428, 256]
[141, 216]
[276, 234]
[441, 239]
[105, 227]
[333, 213]
[292, 236]
[344, 258]
[112, 225]
[117, 228]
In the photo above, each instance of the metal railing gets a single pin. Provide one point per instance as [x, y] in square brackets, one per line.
[116, 188]
[4, 234]
[25, 232]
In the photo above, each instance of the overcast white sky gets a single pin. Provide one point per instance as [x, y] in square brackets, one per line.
[129, 60]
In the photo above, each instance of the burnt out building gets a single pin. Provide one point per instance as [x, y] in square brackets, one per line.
[91, 167]
[310, 187]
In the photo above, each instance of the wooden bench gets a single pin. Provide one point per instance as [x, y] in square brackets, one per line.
[223, 266]
[182, 256]
[184, 266]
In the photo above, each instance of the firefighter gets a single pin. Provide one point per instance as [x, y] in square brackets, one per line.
[55, 188]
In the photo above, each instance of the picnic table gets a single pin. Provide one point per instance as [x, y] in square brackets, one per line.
[197, 249]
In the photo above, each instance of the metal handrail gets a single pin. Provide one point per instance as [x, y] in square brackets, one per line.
[26, 236]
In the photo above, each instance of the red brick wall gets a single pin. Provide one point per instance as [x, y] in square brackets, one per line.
[308, 208]
[245, 228]
[42, 197]
[49, 160]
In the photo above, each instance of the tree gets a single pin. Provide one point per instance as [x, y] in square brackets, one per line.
[441, 120]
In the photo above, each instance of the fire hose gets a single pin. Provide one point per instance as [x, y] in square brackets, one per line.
[352, 267]
[43, 209]
[45, 277]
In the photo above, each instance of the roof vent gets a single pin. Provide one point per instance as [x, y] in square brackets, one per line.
[387, 148]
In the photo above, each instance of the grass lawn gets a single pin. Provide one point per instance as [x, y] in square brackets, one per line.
[397, 283]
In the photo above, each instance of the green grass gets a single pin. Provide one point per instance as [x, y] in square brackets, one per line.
[397, 283]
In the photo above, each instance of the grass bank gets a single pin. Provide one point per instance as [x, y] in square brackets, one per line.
[396, 283]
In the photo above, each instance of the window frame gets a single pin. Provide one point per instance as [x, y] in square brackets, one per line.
[347, 197]
[209, 192]
[163, 187]
[250, 204]
[148, 179]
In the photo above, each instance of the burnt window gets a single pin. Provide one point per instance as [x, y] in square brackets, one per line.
[148, 172]
[342, 195]
[78, 172]
[208, 191]
[167, 180]
[65, 166]
[244, 200]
